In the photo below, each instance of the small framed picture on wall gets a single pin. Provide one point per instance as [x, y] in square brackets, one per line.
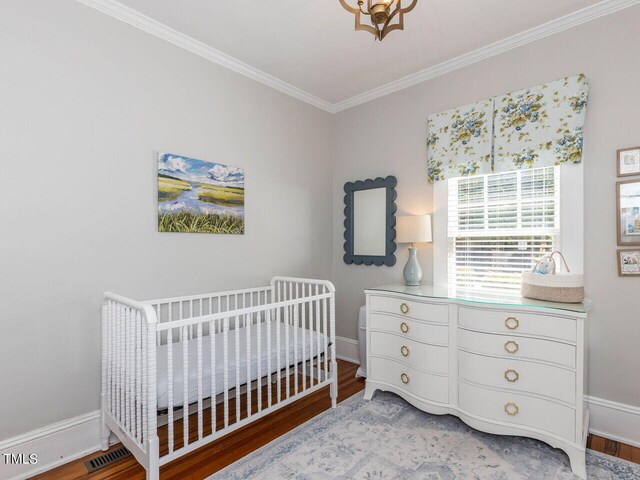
[628, 214]
[629, 263]
[628, 161]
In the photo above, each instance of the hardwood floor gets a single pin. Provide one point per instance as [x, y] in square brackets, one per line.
[217, 455]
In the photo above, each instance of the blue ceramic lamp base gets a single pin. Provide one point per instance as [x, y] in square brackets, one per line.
[412, 270]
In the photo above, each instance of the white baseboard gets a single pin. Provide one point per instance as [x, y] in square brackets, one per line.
[54, 445]
[347, 349]
[615, 421]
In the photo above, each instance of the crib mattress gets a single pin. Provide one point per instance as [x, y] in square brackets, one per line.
[192, 366]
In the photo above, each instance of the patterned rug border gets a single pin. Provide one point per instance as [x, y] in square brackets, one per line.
[344, 409]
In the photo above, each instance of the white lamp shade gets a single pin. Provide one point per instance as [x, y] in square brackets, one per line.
[413, 229]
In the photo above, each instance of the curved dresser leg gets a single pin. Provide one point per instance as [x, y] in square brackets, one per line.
[578, 460]
[369, 391]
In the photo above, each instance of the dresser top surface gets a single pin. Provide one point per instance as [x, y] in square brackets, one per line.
[444, 293]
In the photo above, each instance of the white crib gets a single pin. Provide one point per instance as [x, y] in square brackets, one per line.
[199, 367]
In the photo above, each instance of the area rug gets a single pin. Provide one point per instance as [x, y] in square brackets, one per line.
[388, 439]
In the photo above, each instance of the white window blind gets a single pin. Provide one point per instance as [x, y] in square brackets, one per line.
[499, 225]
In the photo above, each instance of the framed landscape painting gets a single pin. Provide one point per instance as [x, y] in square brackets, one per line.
[196, 196]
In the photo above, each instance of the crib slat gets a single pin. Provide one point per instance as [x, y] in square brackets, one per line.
[259, 356]
[237, 364]
[185, 383]
[318, 320]
[311, 342]
[116, 361]
[269, 366]
[278, 352]
[225, 350]
[191, 328]
[212, 351]
[145, 383]
[295, 344]
[332, 353]
[200, 394]
[151, 400]
[303, 307]
[130, 364]
[121, 363]
[139, 375]
[170, 387]
[247, 324]
[132, 380]
[326, 341]
[286, 349]
[110, 364]
[157, 307]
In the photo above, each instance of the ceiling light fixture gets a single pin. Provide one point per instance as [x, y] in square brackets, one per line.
[382, 13]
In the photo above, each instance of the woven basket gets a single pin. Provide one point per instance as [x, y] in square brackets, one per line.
[556, 287]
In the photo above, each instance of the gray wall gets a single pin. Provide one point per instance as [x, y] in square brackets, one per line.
[85, 99]
[606, 51]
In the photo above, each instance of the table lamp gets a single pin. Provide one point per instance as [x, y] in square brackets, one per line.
[413, 229]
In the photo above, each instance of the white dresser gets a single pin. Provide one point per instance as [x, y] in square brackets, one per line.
[504, 366]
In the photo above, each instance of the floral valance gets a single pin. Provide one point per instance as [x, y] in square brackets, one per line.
[459, 141]
[537, 127]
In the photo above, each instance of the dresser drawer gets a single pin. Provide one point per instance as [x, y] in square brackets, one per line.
[517, 323]
[424, 385]
[518, 409]
[409, 328]
[518, 375]
[526, 348]
[427, 312]
[429, 358]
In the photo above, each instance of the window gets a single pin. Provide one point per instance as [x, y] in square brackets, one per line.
[499, 225]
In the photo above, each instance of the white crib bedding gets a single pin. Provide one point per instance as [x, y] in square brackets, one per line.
[162, 360]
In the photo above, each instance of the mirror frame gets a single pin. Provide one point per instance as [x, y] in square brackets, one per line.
[389, 258]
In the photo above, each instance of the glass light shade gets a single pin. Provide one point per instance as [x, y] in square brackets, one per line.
[413, 229]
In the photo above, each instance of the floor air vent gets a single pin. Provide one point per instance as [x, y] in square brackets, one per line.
[107, 459]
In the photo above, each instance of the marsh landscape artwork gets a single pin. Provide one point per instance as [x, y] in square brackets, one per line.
[195, 196]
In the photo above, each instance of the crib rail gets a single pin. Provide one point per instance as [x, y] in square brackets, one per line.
[224, 360]
[177, 308]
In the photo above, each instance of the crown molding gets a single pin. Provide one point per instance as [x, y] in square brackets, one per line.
[578, 17]
[160, 30]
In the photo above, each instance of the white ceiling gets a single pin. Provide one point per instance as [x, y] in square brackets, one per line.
[312, 45]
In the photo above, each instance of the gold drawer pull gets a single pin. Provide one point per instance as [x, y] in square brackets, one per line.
[511, 346]
[405, 378]
[512, 323]
[511, 376]
[404, 308]
[511, 409]
[404, 327]
[404, 351]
